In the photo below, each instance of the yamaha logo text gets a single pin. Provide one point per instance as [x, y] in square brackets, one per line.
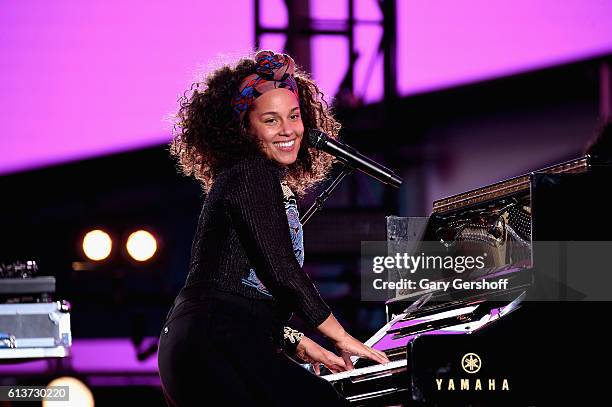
[471, 364]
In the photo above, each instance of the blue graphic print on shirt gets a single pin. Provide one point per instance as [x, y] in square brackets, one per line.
[297, 238]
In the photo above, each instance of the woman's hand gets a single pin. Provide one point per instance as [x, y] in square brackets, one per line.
[348, 346]
[311, 352]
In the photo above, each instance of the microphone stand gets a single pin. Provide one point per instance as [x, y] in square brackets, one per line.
[318, 203]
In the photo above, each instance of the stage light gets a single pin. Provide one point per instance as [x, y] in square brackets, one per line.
[97, 245]
[141, 245]
[78, 393]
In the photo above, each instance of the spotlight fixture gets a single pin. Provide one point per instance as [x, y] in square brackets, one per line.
[78, 393]
[97, 245]
[141, 245]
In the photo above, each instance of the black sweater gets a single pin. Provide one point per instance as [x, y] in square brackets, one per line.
[243, 230]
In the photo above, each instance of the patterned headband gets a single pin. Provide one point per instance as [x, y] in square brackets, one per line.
[272, 71]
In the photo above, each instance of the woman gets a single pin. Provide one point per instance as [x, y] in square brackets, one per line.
[240, 133]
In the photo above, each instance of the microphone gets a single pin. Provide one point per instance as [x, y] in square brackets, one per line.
[352, 158]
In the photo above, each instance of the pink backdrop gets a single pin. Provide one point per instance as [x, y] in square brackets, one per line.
[84, 78]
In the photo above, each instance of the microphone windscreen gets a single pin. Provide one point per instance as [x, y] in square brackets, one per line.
[315, 137]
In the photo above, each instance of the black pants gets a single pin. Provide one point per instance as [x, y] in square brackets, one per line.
[222, 349]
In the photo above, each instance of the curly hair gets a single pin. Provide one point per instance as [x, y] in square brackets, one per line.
[208, 136]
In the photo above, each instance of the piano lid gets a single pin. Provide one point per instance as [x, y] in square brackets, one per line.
[507, 187]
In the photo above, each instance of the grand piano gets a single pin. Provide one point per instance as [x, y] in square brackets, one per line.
[533, 342]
